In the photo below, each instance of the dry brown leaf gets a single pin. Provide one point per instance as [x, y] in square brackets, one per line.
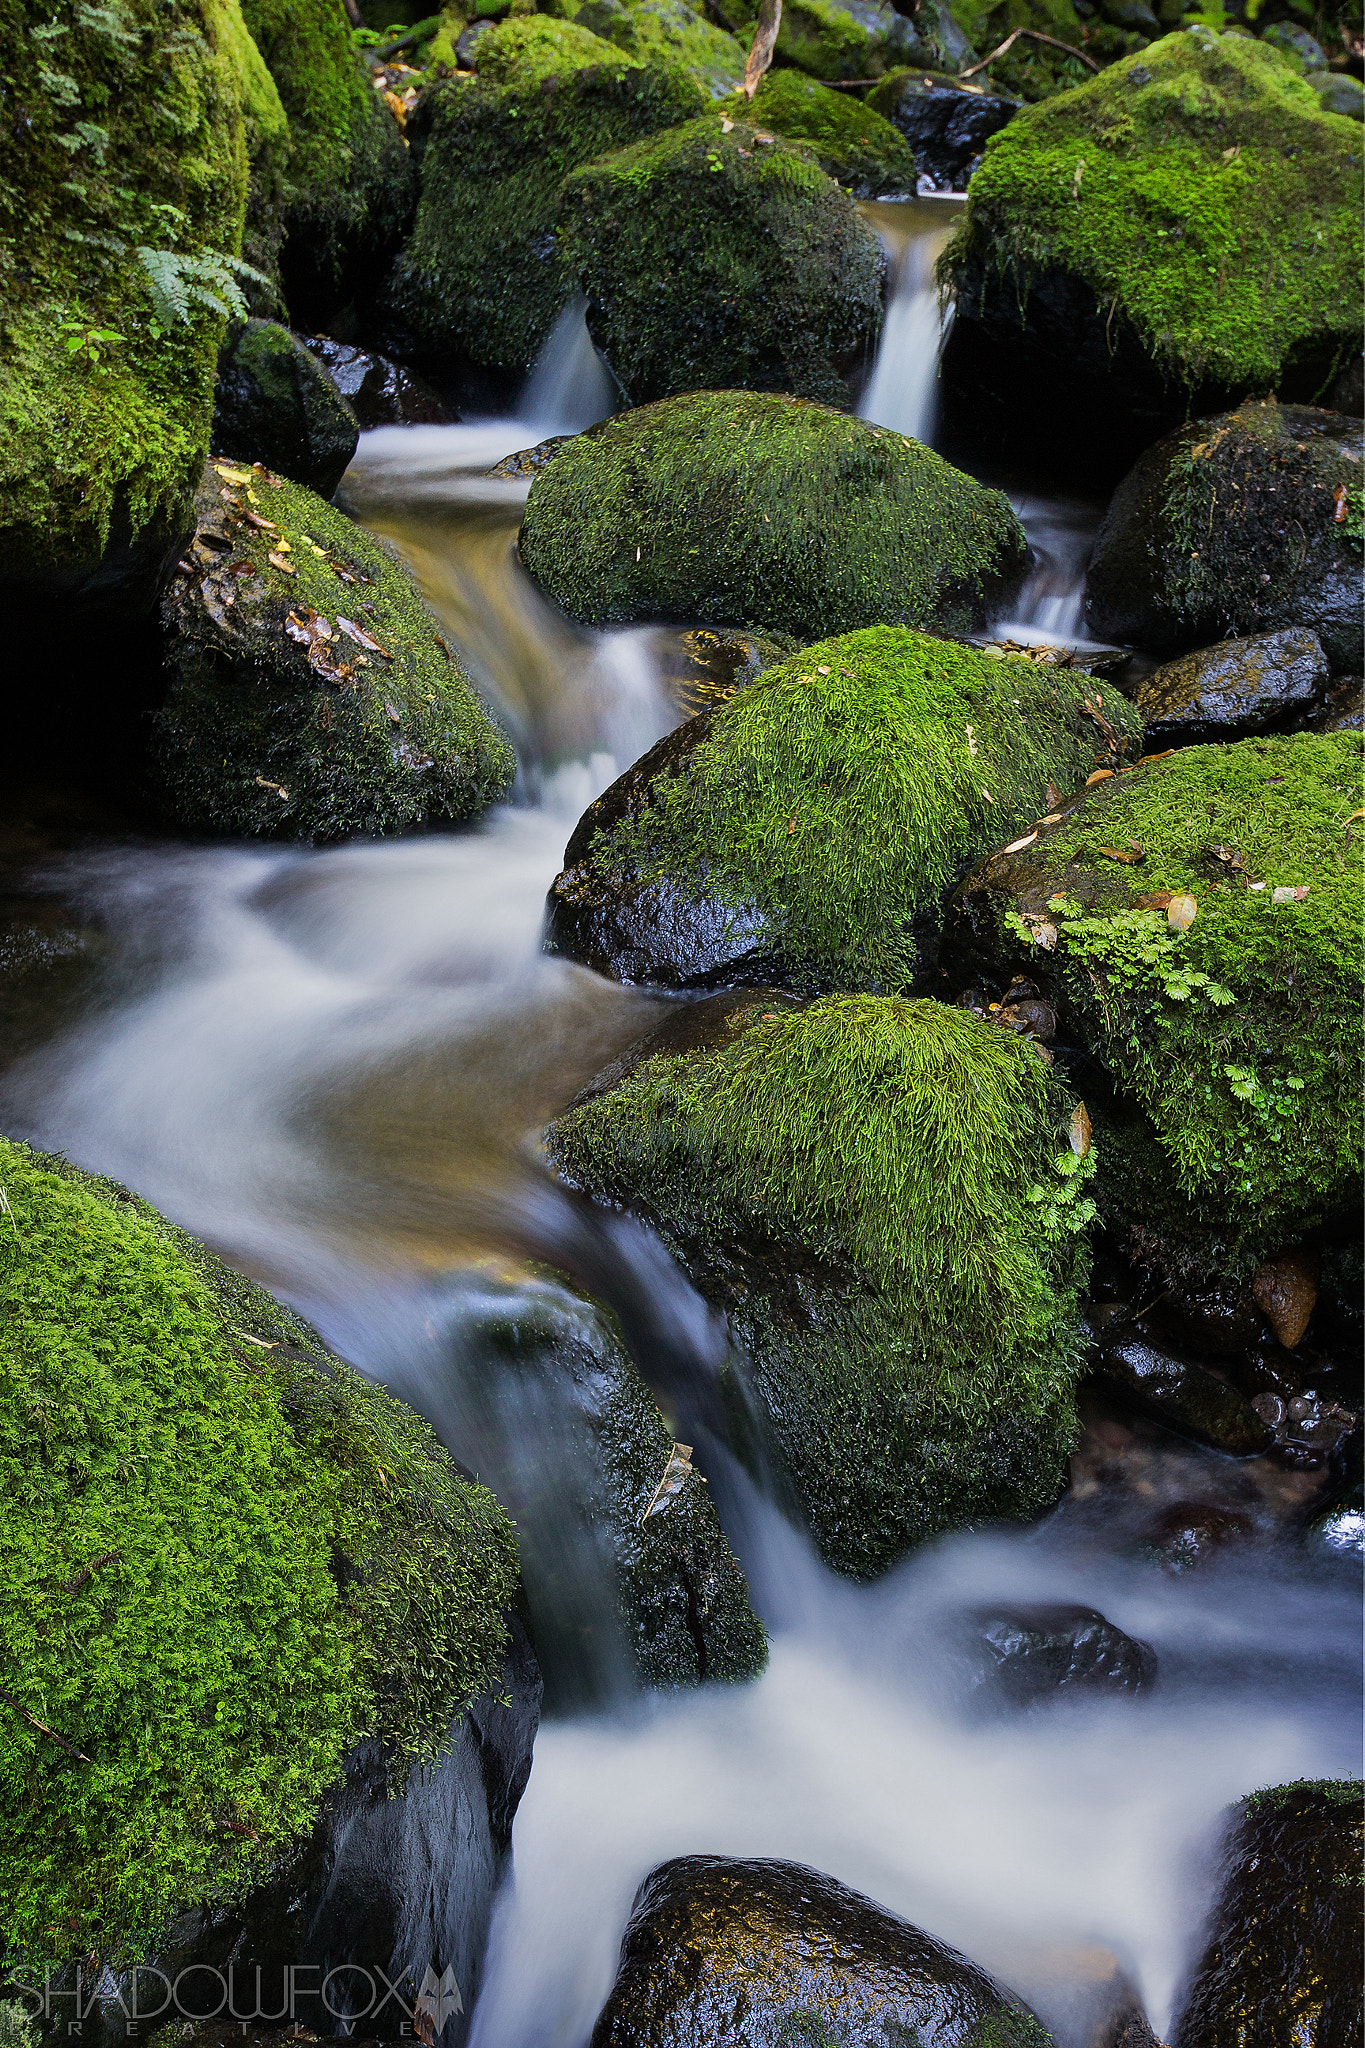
[1100, 775]
[1289, 895]
[1018, 845]
[1079, 1130]
[1129, 856]
[278, 561]
[362, 637]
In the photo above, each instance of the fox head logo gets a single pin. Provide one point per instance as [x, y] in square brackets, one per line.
[438, 2000]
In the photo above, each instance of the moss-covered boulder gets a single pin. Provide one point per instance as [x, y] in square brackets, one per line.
[122, 185]
[736, 507]
[1197, 924]
[350, 179]
[858, 39]
[1282, 1960]
[881, 1197]
[669, 31]
[946, 124]
[1237, 525]
[1182, 230]
[854, 144]
[807, 830]
[479, 280]
[311, 693]
[715, 255]
[226, 1559]
[276, 404]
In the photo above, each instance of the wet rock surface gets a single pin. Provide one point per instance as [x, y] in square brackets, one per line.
[1282, 1960]
[1267, 683]
[719, 1949]
[277, 405]
[380, 393]
[946, 124]
[1179, 1392]
[1032, 1654]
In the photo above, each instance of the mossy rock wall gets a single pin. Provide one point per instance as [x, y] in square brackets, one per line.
[828, 808]
[480, 280]
[1236, 1040]
[715, 255]
[855, 146]
[226, 1558]
[736, 507]
[312, 694]
[881, 1196]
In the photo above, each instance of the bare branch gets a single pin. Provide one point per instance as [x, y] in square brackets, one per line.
[1035, 35]
[761, 49]
[34, 1722]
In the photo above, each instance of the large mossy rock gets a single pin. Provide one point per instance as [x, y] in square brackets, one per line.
[1178, 232]
[1237, 525]
[855, 145]
[132, 137]
[881, 1197]
[1232, 1045]
[227, 1559]
[1282, 1961]
[479, 280]
[276, 404]
[736, 507]
[717, 255]
[806, 831]
[754, 1952]
[350, 183]
[311, 692]
[669, 31]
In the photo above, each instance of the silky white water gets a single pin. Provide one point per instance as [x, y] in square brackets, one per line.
[902, 391]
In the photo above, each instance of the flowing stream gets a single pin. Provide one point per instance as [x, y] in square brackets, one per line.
[332, 1066]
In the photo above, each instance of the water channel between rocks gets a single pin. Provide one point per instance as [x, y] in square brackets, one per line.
[332, 1066]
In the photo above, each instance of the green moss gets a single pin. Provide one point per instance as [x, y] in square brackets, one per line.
[713, 258]
[738, 506]
[841, 38]
[269, 147]
[669, 30]
[270, 725]
[1346, 1792]
[479, 277]
[131, 135]
[1239, 1038]
[842, 794]
[1032, 70]
[1197, 189]
[855, 146]
[224, 1560]
[851, 1181]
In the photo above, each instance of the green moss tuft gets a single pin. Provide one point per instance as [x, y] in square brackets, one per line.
[266, 731]
[737, 506]
[852, 1182]
[224, 1561]
[1199, 190]
[855, 146]
[842, 38]
[656, 31]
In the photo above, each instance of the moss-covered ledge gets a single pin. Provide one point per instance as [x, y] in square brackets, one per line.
[225, 1558]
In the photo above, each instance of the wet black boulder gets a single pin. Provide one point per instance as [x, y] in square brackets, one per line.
[1242, 524]
[946, 123]
[1281, 1964]
[1029, 1654]
[720, 1949]
[379, 393]
[1271, 682]
[276, 404]
[1143, 1373]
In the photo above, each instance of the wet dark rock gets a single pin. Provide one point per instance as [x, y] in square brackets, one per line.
[1219, 1316]
[1265, 684]
[753, 1952]
[467, 43]
[946, 123]
[1187, 1533]
[277, 405]
[530, 461]
[1179, 1392]
[1339, 93]
[1341, 1532]
[1342, 709]
[379, 393]
[1028, 1014]
[1282, 1960]
[1347, 393]
[1032, 1654]
[1235, 525]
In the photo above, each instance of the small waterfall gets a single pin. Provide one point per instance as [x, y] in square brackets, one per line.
[1051, 605]
[570, 387]
[902, 392]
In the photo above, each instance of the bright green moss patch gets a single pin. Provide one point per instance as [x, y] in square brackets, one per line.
[738, 506]
[669, 30]
[843, 792]
[223, 1561]
[1198, 189]
[312, 695]
[856, 147]
[854, 1182]
[1240, 1038]
[713, 257]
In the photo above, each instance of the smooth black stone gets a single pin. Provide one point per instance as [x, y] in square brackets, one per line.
[379, 393]
[1180, 1393]
[1034, 1653]
[1269, 682]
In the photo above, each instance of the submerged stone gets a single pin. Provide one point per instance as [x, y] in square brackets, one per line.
[753, 1952]
[275, 404]
[738, 506]
[1030, 1655]
[1237, 687]
[311, 693]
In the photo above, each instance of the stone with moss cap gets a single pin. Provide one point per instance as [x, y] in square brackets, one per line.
[479, 280]
[881, 1197]
[1181, 230]
[807, 830]
[312, 694]
[716, 254]
[737, 506]
[226, 1558]
[1232, 1042]
[855, 145]
[859, 39]
[669, 31]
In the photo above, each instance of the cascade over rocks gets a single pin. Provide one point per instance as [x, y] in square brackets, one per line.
[1234, 689]
[806, 830]
[751, 1952]
[1183, 229]
[277, 405]
[946, 124]
[311, 693]
[855, 145]
[1237, 525]
[906, 1297]
[716, 254]
[739, 506]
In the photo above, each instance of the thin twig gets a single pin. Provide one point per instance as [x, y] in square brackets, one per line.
[32, 1719]
[1037, 36]
[761, 49]
[88, 1572]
